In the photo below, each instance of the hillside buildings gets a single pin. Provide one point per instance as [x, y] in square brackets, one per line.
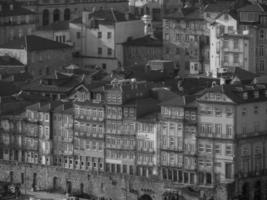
[15, 21]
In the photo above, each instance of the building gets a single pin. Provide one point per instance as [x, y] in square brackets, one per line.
[148, 152]
[101, 35]
[141, 50]
[53, 11]
[124, 104]
[15, 21]
[229, 47]
[42, 56]
[9, 65]
[57, 87]
[63, 136]
[58, 31]
[252, 20]
[89, 129]
[178, 127]
[185, 38]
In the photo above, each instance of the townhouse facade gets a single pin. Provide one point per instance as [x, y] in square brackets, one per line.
[15, 21]
[211, 141]
[185, 38]
[229, 46]
[105, 30]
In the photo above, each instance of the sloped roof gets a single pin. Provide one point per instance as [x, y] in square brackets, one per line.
[189, 13]
[251, 8]
[144, 41]
[34, 43]
[110, 16]
[16, 11]
[235, 92]
[8, 88]
[57, 26]
[219, 6]
[7, 60]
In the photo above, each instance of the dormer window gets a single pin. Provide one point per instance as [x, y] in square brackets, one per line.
[256, 94]
[245, 95]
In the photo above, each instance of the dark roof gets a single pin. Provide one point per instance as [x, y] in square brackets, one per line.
[255, 7]
[34, 43]
[175, 102]
[142, 101]
[235, 92]
[144, 41]
[57, 26]
[8, 88]
[110, 16]
[78, 20]
[16, 11]
[189, 13]
[243, 75]
[54, 85]
[7, 60]
[219, 6]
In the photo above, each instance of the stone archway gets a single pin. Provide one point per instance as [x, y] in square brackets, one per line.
[56, 15]
[67, 14]
[45, 17]
[145, 197]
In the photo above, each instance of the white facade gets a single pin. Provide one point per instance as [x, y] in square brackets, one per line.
[102, 44]
[228, 47]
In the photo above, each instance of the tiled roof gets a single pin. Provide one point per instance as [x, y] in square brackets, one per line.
[243, 75]
[189, 13]
[175, 102]
[251, 8]
[8, 88]
[7, 60]
[16, 11]
[235, 92]
[34, 43]
[219, 6]
[110, 16]
[144, 41]
[57, 26]
[58, 86]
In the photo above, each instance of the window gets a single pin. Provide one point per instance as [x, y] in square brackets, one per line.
[228, 150]
[229, 112]
[218, 112]
[229, 130]
[208, 148]
[108, 35]
[99, 51]
[256, 109]
[200, 147]
[99, 34]
[218, 129]
[228, 170]
[236, 58]
[261, 34]
[167, 36]
[261, 50]
[235, 43]
[226, 17]
[78, 35]
[218, 149]
[261, 68]
[109, 51]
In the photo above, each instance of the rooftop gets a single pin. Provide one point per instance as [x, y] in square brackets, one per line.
[144, 41]
[7, 60]
[219, 6]
[110, 16]
[57, 26]
[13, 9]
[34, 43]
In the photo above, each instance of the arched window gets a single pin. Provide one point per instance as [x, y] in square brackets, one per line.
[56, 15]
[45, 17]
[67, 14]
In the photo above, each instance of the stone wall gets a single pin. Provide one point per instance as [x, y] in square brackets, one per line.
[109, 186]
